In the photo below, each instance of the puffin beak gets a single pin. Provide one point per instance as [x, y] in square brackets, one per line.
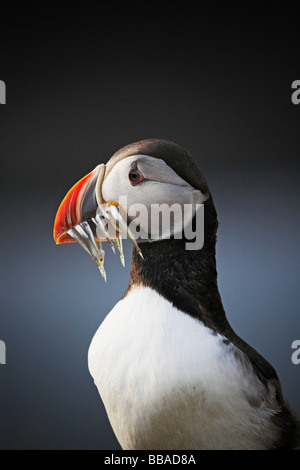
[79, 204]
[85, 217]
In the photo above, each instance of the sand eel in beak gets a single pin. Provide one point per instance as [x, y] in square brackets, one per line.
[85, 218]
[169, 368]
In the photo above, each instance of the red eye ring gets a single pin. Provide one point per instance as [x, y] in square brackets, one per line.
[135, 176]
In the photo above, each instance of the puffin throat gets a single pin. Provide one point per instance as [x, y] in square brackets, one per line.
[187, 278]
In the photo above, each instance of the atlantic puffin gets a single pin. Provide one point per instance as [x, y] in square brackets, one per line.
[170, 370]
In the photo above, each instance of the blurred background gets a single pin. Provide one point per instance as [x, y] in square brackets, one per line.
[81, 82]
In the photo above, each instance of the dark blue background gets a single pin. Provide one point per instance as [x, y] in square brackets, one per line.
[80, 84]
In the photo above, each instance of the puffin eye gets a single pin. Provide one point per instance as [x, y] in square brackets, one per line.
[135, 176]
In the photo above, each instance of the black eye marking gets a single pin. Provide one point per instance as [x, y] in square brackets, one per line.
[134, 165]
[135, 176]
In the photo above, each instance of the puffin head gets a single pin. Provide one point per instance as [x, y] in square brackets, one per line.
[128, 196]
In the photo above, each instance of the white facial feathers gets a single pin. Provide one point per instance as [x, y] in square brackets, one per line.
[161, 190]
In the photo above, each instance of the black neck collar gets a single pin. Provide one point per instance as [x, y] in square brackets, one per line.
[188, 279]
